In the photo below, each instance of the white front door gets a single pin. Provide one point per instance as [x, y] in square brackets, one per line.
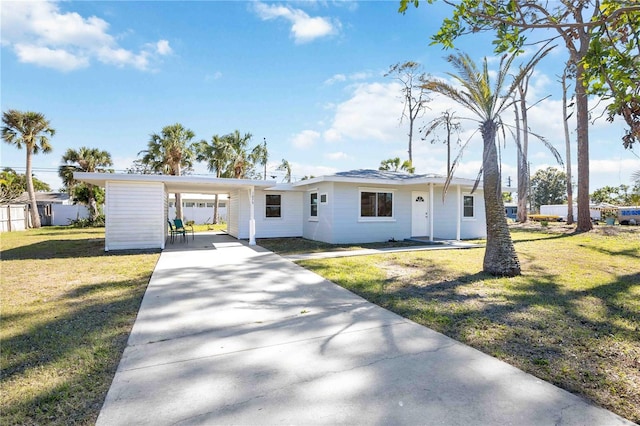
[419, 214]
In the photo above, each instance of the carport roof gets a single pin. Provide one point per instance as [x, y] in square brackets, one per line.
[179, 184]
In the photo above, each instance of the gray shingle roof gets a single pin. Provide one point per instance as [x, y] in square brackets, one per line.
[382, 174]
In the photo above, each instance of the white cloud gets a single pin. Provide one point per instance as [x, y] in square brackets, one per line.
[357, 76]
[336, 155]
[52, 58]
[335, 79]
[304, 28]
[372, 113]
[305, 139]
[163, 48]
[41, 34]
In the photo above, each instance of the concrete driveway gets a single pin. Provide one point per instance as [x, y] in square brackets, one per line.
[232, 334]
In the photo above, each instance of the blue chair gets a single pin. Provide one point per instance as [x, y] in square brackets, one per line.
[173, 231]
[182, 228]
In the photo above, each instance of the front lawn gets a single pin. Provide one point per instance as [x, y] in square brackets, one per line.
[67, 310]
[572, 318]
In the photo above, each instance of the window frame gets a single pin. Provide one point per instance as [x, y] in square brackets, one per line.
[312, 216]
[267, 206]
[376, 217]
[473, 207]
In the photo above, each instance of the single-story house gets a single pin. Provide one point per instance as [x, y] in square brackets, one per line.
[349, 207]
[55, 208]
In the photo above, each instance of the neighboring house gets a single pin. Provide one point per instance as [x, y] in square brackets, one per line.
[349, 207]
[199, 207]
[55, 208]
[511, 210]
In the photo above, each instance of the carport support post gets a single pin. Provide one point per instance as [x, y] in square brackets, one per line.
[458, 216]
[431, 210]
[252, 218]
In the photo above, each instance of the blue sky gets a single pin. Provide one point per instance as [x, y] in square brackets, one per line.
[308, 76]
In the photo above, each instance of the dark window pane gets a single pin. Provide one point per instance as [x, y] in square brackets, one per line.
[273, 204]
[367, 204]
[314, 204]
[385, 204]
[468, 206]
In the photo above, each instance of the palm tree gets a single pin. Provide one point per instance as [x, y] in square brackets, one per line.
[394, 165]
[260, 155]
[487, 102]
[29, 129]
[84, 160]
[170, 152]
[240, 158]
[286, 167]
[217, 156]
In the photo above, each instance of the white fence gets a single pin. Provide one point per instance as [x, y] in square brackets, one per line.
[14, 217]
[199, 215]
[63, 214]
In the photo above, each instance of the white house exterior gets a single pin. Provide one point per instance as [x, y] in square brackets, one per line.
[350, 207]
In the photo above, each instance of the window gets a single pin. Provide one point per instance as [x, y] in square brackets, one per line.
[467, 206]
[210, 205]
[314, 204]
[323, 198]
[273, 206]
[202, 205]
[190, 204]
[376, 204]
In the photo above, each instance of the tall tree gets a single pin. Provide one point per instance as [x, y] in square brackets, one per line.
[13, 185]
[451, 124]
[475, 91]
[411, 77]
[260, 155]
[395, 165]
[217, 156]
[612, 64]
[170, 152]
[567, 141]
[85, 159]
[522, 136]
[31, 130]
[573, 21]
[548, 187]
[238, 146]
[285, 166]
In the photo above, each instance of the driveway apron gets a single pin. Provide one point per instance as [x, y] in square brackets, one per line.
[232, 334]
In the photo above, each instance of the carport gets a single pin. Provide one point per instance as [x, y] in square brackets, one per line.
[136, 205]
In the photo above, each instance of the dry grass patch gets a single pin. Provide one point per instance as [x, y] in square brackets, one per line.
[572, 318]
[67, 310]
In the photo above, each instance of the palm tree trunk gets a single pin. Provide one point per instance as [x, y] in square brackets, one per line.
[500, 257]
[215, 210]
[178, 206]
[35, 216]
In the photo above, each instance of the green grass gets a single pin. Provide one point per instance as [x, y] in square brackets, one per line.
[572, 318]
[67, 310]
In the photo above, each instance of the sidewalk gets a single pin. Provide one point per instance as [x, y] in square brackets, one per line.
[232, 334]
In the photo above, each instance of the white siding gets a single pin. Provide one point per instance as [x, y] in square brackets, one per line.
[321, 227]
[135, 215]
[290, 222]
[288, 225]
[347, 227]
[445, 215]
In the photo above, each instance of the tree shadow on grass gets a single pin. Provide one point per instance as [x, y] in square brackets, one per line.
[66, 249]
[88, 339]
[537, 326]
